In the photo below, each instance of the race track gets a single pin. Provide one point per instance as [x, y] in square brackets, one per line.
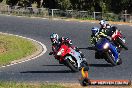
[46, 68]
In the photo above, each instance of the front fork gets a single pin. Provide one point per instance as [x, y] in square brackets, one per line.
[114, 52]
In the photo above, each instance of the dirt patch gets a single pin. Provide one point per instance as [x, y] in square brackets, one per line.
[2, 50]
[2, 47]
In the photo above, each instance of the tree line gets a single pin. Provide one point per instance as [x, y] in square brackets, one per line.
[116, 6]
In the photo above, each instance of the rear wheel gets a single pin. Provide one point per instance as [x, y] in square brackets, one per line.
[71, 64]
[97, 56]
[122, 44]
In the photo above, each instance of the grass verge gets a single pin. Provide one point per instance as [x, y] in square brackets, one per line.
[52, 85]
[29, 85]
[14, 48]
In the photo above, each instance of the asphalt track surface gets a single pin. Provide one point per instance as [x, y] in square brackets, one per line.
[46, 68]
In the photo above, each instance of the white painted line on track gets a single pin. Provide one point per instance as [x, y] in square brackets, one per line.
[8, 15]
[44, 18]
[120, 24]
[55, 19]
[81, 21]
[93, 22]
[19, 16]
[67, 20]
[43, 51]
[33, 17]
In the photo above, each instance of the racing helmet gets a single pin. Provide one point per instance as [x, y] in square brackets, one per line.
[103, 23]
[95, 31]
[54, 38]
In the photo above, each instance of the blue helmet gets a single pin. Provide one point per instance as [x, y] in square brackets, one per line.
[95, 31]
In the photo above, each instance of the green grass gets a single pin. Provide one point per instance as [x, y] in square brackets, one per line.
[88, 18]
[13, 48]
[54, 85]
[30, 85]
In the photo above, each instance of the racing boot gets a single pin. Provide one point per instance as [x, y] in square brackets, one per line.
[82, 55]
[76, 49]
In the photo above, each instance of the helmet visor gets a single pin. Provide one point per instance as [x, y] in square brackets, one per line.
[53, 40]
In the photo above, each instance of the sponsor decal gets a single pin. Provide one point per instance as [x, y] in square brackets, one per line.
[85, 81]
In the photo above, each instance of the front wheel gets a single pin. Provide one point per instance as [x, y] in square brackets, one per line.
[119, 62]
[71, 64]
[119, 40]
[110, 58]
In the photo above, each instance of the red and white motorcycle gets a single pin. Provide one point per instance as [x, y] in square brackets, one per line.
[70, 58]
[119, 40]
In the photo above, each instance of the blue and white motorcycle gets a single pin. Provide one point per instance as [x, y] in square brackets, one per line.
[108, 51]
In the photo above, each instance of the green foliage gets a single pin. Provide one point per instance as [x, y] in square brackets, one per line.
[116, 6]
[111, 17]
[87, 18]
[1, 1]
[64, 4]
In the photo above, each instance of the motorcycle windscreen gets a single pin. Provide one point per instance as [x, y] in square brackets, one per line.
[101, 42]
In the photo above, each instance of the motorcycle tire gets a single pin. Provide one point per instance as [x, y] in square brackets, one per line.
[71, 66]
[122, 44]
[119, 62]
[110, 58]
[97, 56]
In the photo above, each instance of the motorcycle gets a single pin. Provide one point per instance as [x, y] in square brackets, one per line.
[70, 58]
[119, 40]
[106, 50]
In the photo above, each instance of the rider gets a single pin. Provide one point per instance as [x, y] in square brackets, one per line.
[96, 35]
[104, 24]
[106, 28]
[56, 43]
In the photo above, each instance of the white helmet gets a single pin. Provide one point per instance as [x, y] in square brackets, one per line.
[54, 38]
[102, 22]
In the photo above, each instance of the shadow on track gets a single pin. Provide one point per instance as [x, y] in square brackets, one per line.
[61, 71]
[53, 65]
[88, 48]
[100, 65]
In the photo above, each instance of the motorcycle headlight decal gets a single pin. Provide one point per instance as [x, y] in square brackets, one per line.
[106, 45]
[60, 52]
